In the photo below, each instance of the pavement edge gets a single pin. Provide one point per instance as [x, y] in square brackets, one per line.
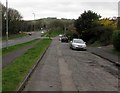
[116, 63]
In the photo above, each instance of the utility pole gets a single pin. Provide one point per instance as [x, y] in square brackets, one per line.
[65, 29]
[34, 21]
[1, 46]
[118, 18]
[0, 20]
[7, 24]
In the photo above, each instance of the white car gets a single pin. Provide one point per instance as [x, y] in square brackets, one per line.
[78, 44]
[42, 32]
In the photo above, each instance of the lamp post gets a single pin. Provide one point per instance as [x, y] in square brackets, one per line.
[34, 20]
[65, 29]
[118, 18]
[7, 24]
[0, 22]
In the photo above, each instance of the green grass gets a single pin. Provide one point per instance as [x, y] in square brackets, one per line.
[14, 36]
[0, 81]
[54, 33]
[14, 73]
[15, 47]
[96, 44]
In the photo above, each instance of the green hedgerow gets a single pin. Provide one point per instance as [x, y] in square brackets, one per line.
[116, 40]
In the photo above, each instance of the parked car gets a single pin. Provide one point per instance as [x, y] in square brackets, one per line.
[64, 39]
[30, 33]
[78, 44]
[60, 35]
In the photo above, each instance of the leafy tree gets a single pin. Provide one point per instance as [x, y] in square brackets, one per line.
[14, 19]
[72, 32]
[85, 23]
[3, 18]
[118, 24]
[56, 24]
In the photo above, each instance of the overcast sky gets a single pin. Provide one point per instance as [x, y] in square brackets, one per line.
[70, 9]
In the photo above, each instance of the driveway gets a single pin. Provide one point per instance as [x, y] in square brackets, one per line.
[63, 69]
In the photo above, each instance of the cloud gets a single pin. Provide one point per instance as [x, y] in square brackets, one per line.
[63, 8]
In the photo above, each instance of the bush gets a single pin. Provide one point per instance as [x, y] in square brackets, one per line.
[103, 34]
[106, 35]
[116, 40]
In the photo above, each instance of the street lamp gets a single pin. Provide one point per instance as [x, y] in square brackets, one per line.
[65, 29]
[0, 21]
[34, 20]
[118, 18]
[7, 24]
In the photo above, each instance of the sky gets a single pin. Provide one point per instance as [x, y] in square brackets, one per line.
[70, 9]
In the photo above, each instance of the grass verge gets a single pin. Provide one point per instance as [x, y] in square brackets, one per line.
[15, 47]
[95, 44]
[14, 73]
[54, 33]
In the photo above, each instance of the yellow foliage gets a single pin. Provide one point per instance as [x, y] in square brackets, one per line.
[107, 22]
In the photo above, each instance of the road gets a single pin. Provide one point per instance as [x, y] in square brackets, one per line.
[24, 39]
[63, 69]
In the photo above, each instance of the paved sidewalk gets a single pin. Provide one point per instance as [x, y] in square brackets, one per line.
[105, 53]
[8, 58]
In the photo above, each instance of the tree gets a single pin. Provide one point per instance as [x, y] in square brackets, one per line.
[56, 24]
[85, 23]
[72, 32]
[3, 18]
[14, 19]
[118, 23]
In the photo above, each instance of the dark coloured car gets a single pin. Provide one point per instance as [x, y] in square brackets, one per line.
[64, 39]
[29, 34]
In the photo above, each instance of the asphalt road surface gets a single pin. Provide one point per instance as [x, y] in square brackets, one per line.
[63, 69]
[24, 39]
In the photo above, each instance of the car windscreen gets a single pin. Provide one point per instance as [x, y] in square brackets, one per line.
[78, 41]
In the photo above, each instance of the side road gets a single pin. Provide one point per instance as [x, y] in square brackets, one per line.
[8, 58]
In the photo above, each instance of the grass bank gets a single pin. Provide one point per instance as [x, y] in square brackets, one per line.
[15, 47]
[14, 73]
